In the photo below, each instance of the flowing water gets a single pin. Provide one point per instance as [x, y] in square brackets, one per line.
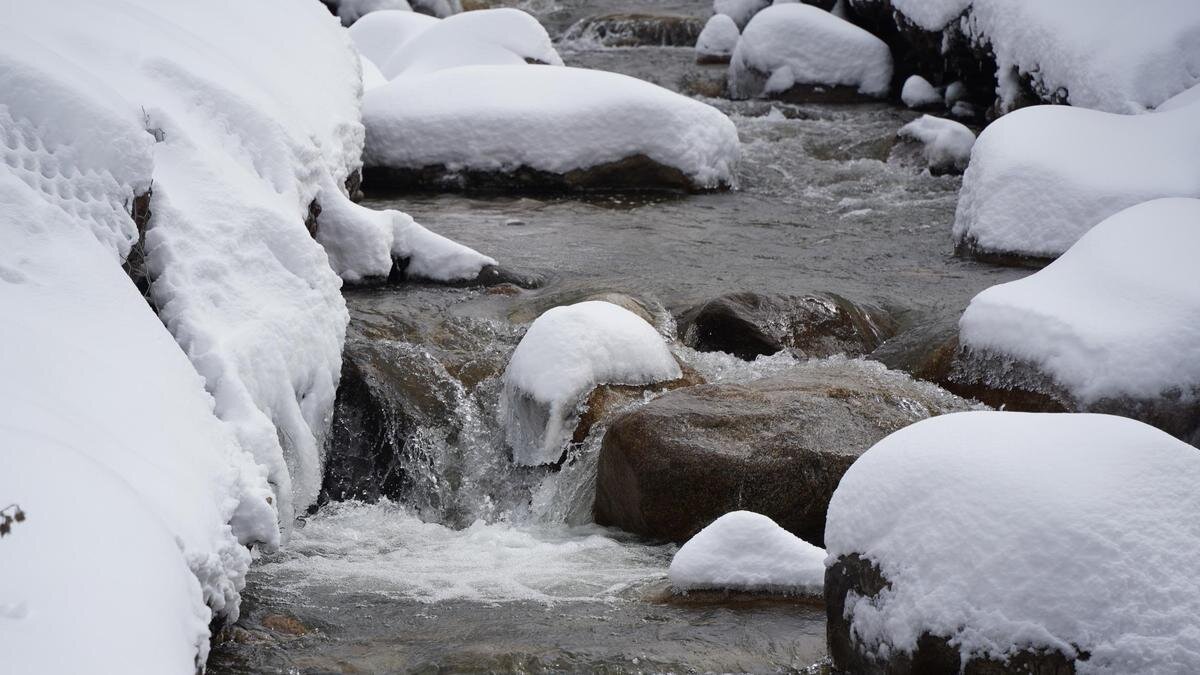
[487, 567]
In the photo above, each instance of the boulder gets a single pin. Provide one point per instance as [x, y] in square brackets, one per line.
[717, 41]
[815, 325]
[637, 30]
[776, 446]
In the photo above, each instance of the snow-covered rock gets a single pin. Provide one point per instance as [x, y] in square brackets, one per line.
[1067, 539]
[919, 93]
[563, 122]
[379, 35]
[567, 352]
[741, 11]
[502, 36]
[746, 551]
[797, 44]
[1040, 177]
[718, 40]
[350, 11]
[945, 144]
[1118, 315]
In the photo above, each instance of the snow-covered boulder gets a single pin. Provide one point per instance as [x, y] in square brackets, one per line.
[502, 36]
[741, 11]
[944, 145]
[919, 93]
[566, 353]
[380, 34]
[797, 45]
[718, 40]
[1040, 177]
[746, 551]
[1112, 325]
[545, 127]
[1017, 542]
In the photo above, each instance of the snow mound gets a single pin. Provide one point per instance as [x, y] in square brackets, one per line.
[741, 11]
[1188, 97]
[567, 352]
[501, 118]
[379, 35]
[946, 144]
[919, 93]
[350, 11]
[800, 44]
[718, 39]
[1117, 314]
[484, 37]
[1007, 531]
[1042, 176]
[746, 551]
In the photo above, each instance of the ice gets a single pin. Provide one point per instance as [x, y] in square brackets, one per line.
[946, 144]
[553, 119]
[1117, 314]
[1042, 176]
[719, 37]
[919, 93]
[816, 47]
[567, 352]
[1006, 531]
[747, 551]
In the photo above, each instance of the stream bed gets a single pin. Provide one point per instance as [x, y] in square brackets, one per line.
[487, 567]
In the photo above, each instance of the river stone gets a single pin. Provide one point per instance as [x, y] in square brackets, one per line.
[776, 446]
[637, 30]
[934, 655]
[815, 325]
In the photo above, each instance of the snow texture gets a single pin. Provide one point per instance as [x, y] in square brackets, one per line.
[946, 144]
[499, 118]
[802, 44]
[350, 11]
[1006, 531]
[919, 93]
[566, 353]
[741, 11]
[746, 551]
[1042, 176]
[1117, 314]
[379, 35]
[719, 37]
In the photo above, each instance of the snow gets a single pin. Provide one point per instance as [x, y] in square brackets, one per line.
[807, 45]
[371, 75]
[1042, 176]
[1015, 530]
[719, 37]
[946, 144]
[746, 551]
[741, 11]
[567, 352]
[502, 36]
[379, 35]
[931, 15]
[919, 93]
[350, 11]
[554, 119]
[1186, 98]
[1117, 314]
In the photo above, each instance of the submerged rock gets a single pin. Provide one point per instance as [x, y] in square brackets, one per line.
[637, 30]
[816, 325]
[776, 446]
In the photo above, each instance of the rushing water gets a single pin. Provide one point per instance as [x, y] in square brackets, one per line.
[488, 567]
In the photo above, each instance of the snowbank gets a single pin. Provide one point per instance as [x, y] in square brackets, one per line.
[379, 35]
[556, 120]
[1042, 176]
[790, 44]
[566, 352]
[484, 37]
[919, 93]
[746, 551]
[945, 144]
[718, 40]
[1008, 531]
[1117, 314]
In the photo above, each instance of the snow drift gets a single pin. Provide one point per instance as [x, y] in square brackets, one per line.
[746, 551]
[1014, 531]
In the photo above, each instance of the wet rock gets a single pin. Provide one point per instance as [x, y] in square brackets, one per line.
[749, 325]
[924, 350]
[606, 399]
[776, 446]
[637, 172]
[287, 625]
[637, 30]
[934, 655]
[489, 276]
